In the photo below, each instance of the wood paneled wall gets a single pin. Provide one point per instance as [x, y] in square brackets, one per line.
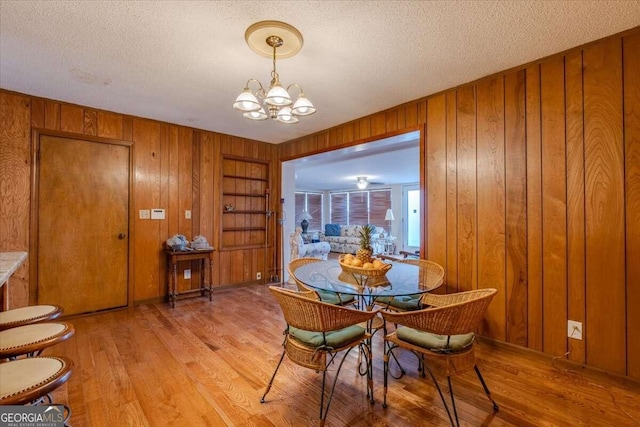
[531, 182]
[175, 168]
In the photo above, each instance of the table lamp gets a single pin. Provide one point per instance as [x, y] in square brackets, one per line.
[305, 224]
[389, 217]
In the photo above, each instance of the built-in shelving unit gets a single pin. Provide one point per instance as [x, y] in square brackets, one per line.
[245, 186]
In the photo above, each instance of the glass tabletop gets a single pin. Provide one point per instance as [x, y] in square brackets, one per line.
[401, 279]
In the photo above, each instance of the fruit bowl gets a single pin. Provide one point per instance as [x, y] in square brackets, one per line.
[371, 272]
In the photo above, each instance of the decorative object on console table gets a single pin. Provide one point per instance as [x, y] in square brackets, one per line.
[305, 223]
[389, 217]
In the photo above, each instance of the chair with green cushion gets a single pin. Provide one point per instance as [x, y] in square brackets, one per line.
[323, 295]
[432, 276]
[442, 333]
[316, 333]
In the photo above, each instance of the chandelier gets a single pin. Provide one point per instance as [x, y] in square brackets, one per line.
[265, 38]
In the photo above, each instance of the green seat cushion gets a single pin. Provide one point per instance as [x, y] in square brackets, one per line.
[333, 298]
[434, 342]
[405, 302]
[334, 339]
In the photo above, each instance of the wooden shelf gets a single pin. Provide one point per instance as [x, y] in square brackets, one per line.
[243, 194]
[245, 186]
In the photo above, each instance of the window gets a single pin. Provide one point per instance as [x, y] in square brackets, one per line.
[360, 207]
[312, 203]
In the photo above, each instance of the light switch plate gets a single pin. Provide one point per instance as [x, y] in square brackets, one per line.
[157, 213]
[145, 213]
[187, 214]
[187, 274]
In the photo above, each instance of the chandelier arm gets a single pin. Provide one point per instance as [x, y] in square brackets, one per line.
[296, 85]
[260, 92]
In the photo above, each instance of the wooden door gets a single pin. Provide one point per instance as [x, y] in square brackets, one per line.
[83, 224]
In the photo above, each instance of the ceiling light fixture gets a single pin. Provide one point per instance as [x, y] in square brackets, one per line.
[265, 38]
[362, 182]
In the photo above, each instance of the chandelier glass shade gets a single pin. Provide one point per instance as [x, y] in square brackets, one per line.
[275, 103]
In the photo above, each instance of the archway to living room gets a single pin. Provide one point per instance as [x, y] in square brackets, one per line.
[323, 187]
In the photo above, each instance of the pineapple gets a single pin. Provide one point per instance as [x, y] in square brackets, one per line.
[365, 251]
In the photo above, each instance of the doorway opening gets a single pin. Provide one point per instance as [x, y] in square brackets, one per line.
[389, 164]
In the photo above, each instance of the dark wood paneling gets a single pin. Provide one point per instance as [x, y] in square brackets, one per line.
[71, 118]
[575, 201]
[632, 168]
[452, 194]
[109, 125]
[554, 207]
[534, 209]
[516, 208]
[604, 215]
[490, 173]
[52, 115]
[466, 141]
[147, 185]
[436, 197]
[90, 122]
[15, 173]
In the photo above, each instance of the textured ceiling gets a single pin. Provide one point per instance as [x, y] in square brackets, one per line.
[185, 62]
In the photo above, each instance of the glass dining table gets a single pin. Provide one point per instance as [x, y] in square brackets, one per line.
[401, 280]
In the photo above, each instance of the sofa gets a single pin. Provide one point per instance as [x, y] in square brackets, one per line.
[346, 238]
[300, 249]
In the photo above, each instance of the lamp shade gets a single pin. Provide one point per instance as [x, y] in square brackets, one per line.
[278, 96]
[246, 101]
[389, 215]
[285, 116]
[305, 215]
[302, 106]
[256, 115]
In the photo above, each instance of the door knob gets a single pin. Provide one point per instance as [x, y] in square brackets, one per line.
[121, 236]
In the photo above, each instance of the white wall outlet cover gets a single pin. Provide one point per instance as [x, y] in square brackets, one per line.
[145, 213]
[187, 274]
[187, 214]
[574, 330]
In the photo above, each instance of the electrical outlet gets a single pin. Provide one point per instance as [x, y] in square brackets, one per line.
[187, 214]
[145, 214]
[258, 275]
[187, 274]
[574, 330]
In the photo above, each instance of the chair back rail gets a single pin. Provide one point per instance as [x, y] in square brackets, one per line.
[432, 272]
[452, 314]
[301, 312]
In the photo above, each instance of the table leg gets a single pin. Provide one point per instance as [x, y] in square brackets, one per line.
[210, 282]
[172, 295]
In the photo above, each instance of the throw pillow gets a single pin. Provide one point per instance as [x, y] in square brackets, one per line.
[332, 229]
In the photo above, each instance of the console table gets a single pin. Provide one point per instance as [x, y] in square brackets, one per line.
[174, 257]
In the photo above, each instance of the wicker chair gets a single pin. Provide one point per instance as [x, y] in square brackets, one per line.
[442, 333]
[324, 296]
[433, 278]
[316, 333]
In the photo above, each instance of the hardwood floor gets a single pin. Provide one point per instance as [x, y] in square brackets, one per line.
[207, 364]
